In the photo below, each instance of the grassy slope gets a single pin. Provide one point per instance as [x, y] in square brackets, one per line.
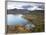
[37, 19]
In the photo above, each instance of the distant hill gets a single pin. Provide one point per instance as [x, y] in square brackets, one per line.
[22, 11]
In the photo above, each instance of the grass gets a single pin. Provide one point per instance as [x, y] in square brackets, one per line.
[36, 18]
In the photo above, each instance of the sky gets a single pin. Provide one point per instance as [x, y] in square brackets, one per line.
[28, 0]
[28, 6]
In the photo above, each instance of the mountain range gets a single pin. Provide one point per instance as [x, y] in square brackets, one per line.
[22, 11]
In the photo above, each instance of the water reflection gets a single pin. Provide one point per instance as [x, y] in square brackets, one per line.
[16, 19]
[19, 20]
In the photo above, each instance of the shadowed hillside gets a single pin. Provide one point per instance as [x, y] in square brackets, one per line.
[23, 11]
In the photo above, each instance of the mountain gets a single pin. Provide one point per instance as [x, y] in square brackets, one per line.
[17, 11]
[22, 11]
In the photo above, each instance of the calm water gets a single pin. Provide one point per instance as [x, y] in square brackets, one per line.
[16, 19]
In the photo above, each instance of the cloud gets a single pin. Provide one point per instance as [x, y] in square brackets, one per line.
[28, 6]
[28, 0]
[32, 9]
